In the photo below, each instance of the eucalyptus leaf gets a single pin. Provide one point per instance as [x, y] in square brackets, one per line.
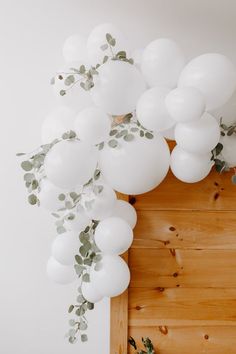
[113, 143]
[32, 199]
[129, 137]
[26, 165]
[71, 308]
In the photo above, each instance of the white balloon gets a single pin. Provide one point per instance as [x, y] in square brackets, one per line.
[113, 277]
[117, 87]
[151, 109]
[113, 236]
[137, 55]
[75, 49]
[185, 104]
[60, 273]
[137, 166]
[70, 163]
[227, 112]
[102, 204]
[214, 75]
[65, 247]
[97, 38]
[77, 221]
[200, 136]
[56, 123]
[162, 62]
[169, 134]
[48, 195]
[92, 125]
[229, 149]
[76, 97]
[90, 293]
[125, 211]
[189, 167]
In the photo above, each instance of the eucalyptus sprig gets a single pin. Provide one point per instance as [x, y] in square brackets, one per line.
[147, 343]
[85, 76]
[88, 256]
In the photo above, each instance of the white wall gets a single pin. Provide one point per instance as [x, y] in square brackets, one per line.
[32, 309]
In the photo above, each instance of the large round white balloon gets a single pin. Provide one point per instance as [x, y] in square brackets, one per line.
[97, 38]
[100, 204]
[56, 123]
[92, 125]
[125, 211]
[229, 149]
[113, 277]
[117, 87]
[49, 194]
[60, 273]
[75, 97]
[185, 104]
[74, 49]
[226, 113]
[214, 75]
[151, 109]
[113, 236]
[162, 62]
[137, 166]
[65, 247]
[189, 167]
[70, 163]
[77, 221]
[200, 136]
[91, 293]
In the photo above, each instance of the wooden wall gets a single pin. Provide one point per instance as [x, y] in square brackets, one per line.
[183, 265]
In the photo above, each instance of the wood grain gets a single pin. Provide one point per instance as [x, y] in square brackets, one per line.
[188, 340]
[215, 192]
[182, 306]
[185, 268]
[185, 229]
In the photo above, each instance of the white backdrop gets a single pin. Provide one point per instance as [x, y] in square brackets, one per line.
[32, 309]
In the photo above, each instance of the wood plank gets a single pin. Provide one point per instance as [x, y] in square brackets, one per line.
[188, 340]
[185, 268]
[119, 315]
[182, 306]
[185, 229]
[216, 192]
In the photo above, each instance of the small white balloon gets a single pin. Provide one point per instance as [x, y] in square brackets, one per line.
[151, 109]
[60, 273]
[169, 134]
[48, 195]
[117, 87]
[56, 123]
[92, 125]
[75, 49]
[185, 104]
[99, 204]
[137, 166]
[162, 62]
[65, 247]
[125, 211]
[75, 96]
[214, 75]
[70, 163]
[90, 293]
[229, 149]
[189, 167]
[200, 136]
[113, 236]
[113, 277]
[77, 221]
[97, 38]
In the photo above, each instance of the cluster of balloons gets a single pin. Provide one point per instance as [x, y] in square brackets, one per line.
[172, 99]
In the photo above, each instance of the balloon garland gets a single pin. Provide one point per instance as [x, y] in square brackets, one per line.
[108, 134]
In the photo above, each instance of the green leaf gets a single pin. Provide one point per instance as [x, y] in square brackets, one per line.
[83, 326]
[84, 338]
[26, 165]
[97, 189]
[105, 59]
[122, 133]
[80, 299]
[34, 184]
[69, 80]
[129, 137]
[149, 135]
[83, 237]
[80, 311]
[79, 269]
[219, 147]
[97, 174]
[88, 262]
[20, 154]
[61, 230]
[104, 47]
[101, 146]
[71, 308]
[32, 199]
[82, 251]
[29, 177]
[113, 143]
[61, 197]
[141, 133]
[97, 258]
[86, 278]
[90, 306]
[121, 54]
[108, 37]
[113, 132]
[52, 81]
[82, 69]
[62, 92]
[72, 322]
[134, 130]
